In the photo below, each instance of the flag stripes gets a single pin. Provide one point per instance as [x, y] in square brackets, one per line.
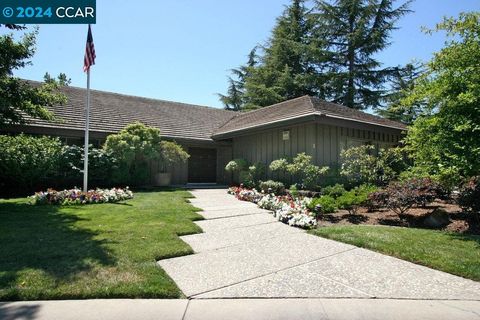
[90, 56]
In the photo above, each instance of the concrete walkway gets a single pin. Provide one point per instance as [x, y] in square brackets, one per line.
[245, 253]
[241, 309]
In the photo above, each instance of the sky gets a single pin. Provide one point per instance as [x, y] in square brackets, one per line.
[182, 50]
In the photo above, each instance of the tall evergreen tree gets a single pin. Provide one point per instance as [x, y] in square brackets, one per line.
[402, 84]
[284, 69]
[355, 31]
[235, 98]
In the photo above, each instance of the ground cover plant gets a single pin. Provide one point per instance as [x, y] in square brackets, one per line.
[96, 251]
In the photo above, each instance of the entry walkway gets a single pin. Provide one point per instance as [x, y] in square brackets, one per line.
[245, 253]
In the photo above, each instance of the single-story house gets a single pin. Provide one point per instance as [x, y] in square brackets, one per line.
[213, 136]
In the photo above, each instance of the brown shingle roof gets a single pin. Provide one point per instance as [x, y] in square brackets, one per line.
[336, 110]
[299, 108]
[110, 112]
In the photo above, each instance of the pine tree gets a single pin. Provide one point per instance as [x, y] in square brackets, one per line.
[402, 84]
[284, 69]
[235, 98]
[355, 31]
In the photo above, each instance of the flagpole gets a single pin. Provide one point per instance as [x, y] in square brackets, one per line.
[87, 123]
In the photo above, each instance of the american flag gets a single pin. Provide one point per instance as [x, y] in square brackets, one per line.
[90, 56]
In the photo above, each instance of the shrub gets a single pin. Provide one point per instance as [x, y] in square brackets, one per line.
[301, 167]
[26, 162]
[334, 191]
[101, 165]
[425, 190]
[400, 196]
[293, 190]
[248, 175]
[257, 171]
[445, 180]
[245, 178]
[278, 165]
[136, 145]
[469, 198]
[172, 153]
[361, 165]
[276, 187]
[324, 204]
[237, 165]
[353, 199]
[377, 200]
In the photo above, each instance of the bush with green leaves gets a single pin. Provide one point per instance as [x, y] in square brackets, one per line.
[444, 140]
[469, 198]
[276, 187]
[302, 168]
[237, 165]
[323, 205]
[334, 191]
[101, 165]
[352, 200]
[257, 171]
[362, 165]
[27, 162]
[248, 175]
[136, 145]
[293, 190]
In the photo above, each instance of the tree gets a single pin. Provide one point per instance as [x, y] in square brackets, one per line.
[284, 69]
[445, 139]
[402, 83]
[19, 100]
[235, 98]
[355, 31]
[61, 80]
[135, 146]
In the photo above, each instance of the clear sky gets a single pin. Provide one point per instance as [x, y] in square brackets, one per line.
[181, 50]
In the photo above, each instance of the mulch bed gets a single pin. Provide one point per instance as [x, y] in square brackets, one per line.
[459, 221]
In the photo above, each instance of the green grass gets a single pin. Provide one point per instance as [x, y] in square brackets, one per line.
[93, 251]
[454, 253]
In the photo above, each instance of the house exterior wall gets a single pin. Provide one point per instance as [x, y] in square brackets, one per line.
[322, 141]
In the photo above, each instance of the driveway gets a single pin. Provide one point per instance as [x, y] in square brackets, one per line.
[245, 253]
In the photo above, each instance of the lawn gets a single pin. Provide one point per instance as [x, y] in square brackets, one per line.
[93, 251]
[454, 253]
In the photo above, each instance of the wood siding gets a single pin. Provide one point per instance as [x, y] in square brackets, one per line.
[323, 142]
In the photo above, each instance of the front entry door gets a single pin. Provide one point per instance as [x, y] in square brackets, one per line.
[202, 165]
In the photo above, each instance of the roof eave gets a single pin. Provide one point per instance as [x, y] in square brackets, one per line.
[287, 121]
[366, 122]
[267, 125]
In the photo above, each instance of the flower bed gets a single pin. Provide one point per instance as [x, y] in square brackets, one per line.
[286, 209]
[76, 196]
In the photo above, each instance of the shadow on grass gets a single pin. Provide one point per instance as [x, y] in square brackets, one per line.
[355, 218]
[157, 189]
[44, 239]
[26, 312]
[466, 237]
